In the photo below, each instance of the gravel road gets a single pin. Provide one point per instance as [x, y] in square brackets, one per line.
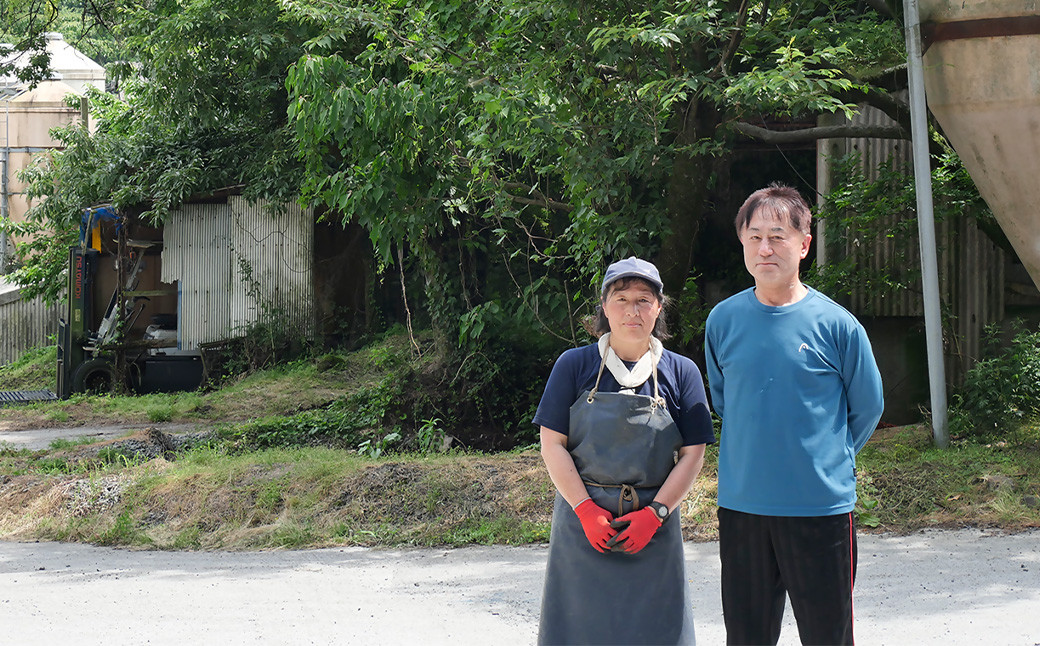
[40, 438]
[937, 587]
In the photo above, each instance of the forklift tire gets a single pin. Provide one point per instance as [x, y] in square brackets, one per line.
[94, 376]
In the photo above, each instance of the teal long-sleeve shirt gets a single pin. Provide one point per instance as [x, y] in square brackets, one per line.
[799, 394]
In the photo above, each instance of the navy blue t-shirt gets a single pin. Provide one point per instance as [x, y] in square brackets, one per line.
[679, 382]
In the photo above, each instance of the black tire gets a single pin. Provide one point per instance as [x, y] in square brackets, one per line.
[94, 376]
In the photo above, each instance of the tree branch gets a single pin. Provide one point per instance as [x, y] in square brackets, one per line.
[539, 199]
[897, 110]
[822, 132]
[549, 204]
[734, 41]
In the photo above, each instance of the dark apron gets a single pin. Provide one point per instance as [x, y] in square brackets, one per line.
[623, 446]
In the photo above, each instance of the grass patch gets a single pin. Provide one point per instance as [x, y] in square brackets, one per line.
[969, 484]
[311, 454]
[296, 497]
[68, 443]
[278, 498]
[333, 382]
[34, 370]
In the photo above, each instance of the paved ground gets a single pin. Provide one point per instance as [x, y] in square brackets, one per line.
[41, 438]
[950, 588]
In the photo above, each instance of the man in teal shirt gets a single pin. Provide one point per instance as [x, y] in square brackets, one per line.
[793, 378]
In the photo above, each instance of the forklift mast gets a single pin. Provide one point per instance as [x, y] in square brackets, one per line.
[73, 328]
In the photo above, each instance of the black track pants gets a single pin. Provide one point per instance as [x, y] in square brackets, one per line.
[812, 559]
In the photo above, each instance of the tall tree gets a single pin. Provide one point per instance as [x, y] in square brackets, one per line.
[205, 108]
[555, 136]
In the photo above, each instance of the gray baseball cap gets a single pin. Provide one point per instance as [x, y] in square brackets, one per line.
[632, 268]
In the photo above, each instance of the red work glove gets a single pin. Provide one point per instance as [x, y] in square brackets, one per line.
[595, 520]
[642, 525]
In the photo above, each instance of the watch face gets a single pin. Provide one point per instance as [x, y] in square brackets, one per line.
[661, 510]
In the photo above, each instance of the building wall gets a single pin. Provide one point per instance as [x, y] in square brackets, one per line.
[24, 324]
[25, 124]
[238, 264]
[971, 280]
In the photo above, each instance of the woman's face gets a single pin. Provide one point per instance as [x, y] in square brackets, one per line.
[631, 309]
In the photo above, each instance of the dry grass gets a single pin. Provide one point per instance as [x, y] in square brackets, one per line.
[310, 497]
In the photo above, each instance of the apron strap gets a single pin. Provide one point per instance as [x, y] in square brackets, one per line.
[602, 364]
[656, 400]
[627, 493]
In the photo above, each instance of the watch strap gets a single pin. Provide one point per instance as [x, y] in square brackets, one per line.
[660, 510]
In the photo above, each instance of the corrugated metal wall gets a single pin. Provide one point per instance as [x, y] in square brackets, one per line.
[24, 324]
[971, 267]
[239, 263]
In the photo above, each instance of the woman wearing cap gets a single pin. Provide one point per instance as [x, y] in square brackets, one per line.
[623, 424]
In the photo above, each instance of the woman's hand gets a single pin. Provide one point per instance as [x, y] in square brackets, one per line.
[595, 520]
[642, 525]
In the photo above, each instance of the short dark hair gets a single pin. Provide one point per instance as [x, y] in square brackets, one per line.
[600, 324]
[782, 202]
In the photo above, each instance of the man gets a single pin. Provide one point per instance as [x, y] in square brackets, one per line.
[794, 380]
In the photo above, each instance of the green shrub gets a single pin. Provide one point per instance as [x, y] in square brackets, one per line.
[1001, 392]
[346, 422]
[485, 394]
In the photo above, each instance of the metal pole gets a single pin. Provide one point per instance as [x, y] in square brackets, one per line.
[5, 162]
[926, 224]
[5, 158]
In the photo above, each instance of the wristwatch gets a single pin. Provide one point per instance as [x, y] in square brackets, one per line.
[660, 510]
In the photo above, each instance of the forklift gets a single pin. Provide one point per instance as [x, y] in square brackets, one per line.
[120, 329]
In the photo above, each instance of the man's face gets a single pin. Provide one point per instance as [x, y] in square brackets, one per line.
[773, 249]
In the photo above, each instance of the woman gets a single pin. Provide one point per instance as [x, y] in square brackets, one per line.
[623, 429]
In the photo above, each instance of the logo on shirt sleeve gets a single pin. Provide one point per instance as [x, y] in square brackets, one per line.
[804, 346]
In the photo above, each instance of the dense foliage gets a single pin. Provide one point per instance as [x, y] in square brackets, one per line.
[512, 150]
[203, 108]
[1001, 393]
[501, 153]
[498, 154]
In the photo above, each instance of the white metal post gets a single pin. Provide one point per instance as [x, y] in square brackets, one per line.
[926, 224]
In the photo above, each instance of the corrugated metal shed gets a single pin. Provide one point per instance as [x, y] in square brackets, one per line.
[24, 324]
[238, 264]
[971, 267]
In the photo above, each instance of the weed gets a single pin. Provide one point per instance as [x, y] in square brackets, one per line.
[269, 498]
[1008, 507]
[68, 443]
[189, 537]
[53, 465]
[1001, 393]
[292, 535]
[866, 502]
[159, 415]
[124, 531]
[488, 531]
[374, 449]
[430, 436]
[114, 456]
[59, 416]
[328, 362]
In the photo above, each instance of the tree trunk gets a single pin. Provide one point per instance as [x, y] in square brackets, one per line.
[687, 193]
